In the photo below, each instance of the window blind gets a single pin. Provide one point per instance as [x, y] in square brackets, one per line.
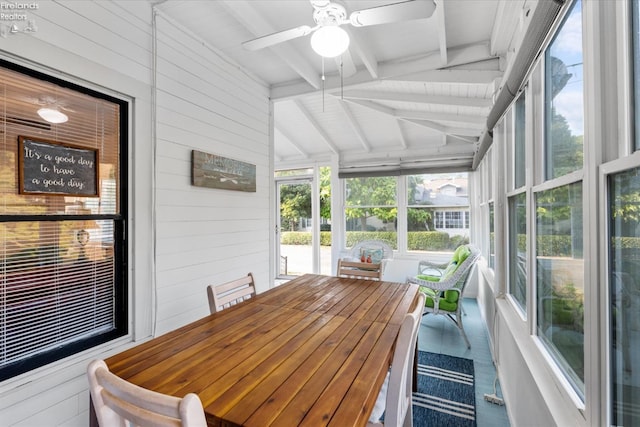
[59, 287]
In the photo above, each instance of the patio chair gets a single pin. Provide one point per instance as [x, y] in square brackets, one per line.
[118, 403]
[444, 289]
[377, 249]
[359, 270]
[230, 293]
[395, 397]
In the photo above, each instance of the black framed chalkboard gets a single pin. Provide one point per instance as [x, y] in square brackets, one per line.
[49, 167]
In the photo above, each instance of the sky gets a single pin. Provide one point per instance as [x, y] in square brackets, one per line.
[567, 47]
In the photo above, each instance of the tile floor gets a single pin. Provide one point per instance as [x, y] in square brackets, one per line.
[439, 335]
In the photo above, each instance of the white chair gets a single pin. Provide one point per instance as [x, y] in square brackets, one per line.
[398, 393]
[359, 270]
[119, 403]
[230, 293]
[444, 292]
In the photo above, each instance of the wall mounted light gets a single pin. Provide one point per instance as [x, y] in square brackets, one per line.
[52, 115]
[330, 41]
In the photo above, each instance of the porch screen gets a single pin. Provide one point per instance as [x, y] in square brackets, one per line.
[62, 281]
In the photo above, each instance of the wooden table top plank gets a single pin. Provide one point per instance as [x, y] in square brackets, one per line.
[306, 397]
[258, 385]
[178, 340]
[283, 394]
[341, 292]
[376, 365]
[332, 395]
[234, 361]
[406, 297]
[368, 301]
[195, 348]
[351, 301]
[169, 375]
[384, 303]
[292, 292]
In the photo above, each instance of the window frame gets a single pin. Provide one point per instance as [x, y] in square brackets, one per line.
[120, 233]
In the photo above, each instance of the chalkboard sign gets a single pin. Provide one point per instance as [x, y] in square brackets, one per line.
[48, 167]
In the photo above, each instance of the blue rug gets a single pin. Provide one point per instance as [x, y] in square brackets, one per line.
[446, 391]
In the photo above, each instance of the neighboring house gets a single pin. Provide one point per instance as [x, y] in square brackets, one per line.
[449, 197]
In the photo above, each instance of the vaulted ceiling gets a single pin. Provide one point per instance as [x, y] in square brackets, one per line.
[408, 94]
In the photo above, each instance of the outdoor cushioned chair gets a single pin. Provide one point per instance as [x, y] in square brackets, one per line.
[444, 287]
[377, 249]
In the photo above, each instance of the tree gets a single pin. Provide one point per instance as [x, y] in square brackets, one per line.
[325, 192]
[418, 219]
[375, 196]
[295, 203]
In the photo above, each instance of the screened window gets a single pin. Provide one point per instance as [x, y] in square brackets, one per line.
[564, 100]
[61, 277]
[624, 262]
[492, 237]
[371, 209]
[635, 11]
[437, 211]
[560, 278]
[519, 158]
[518, 249]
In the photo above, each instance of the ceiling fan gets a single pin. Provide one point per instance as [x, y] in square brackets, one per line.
[329, 15]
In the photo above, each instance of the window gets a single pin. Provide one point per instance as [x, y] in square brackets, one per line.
[519, 160]
[62, 263]
[371, 209]
[624, 265]
[518, 250]
[635, 11]
[560, 278]
[492, 237]
[564, 105]
[437, 211]
[559, 205]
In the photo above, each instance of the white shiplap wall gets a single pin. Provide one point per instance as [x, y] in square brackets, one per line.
[202, 236]
[206, 235]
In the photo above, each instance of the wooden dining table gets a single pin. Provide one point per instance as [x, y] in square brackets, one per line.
[311, 352]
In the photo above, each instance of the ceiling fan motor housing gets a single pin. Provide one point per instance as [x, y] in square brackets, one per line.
[329, 14]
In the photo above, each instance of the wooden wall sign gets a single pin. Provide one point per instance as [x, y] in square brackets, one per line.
[212, 171]
[48, 167]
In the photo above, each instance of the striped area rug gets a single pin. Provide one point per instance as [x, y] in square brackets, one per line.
[446, 391]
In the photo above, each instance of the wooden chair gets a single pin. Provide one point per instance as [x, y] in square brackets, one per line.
[359, 270]
[230, 293]
[395, 397]
[118, 403]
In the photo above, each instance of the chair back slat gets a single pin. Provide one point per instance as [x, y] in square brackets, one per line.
[230, 293]
[120, 403]
[359, 270]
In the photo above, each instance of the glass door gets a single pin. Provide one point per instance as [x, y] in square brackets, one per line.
[294, 227]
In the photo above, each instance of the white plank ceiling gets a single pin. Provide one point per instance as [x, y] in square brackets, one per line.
[410, 94]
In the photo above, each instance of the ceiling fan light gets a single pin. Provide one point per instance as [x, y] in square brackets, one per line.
[52, 115]
[330, 41]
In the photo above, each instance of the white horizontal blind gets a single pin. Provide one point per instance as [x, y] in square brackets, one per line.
[57, 251]
[48, 302]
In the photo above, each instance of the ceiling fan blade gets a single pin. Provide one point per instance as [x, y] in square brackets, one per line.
[279, 37]
[403, 11]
